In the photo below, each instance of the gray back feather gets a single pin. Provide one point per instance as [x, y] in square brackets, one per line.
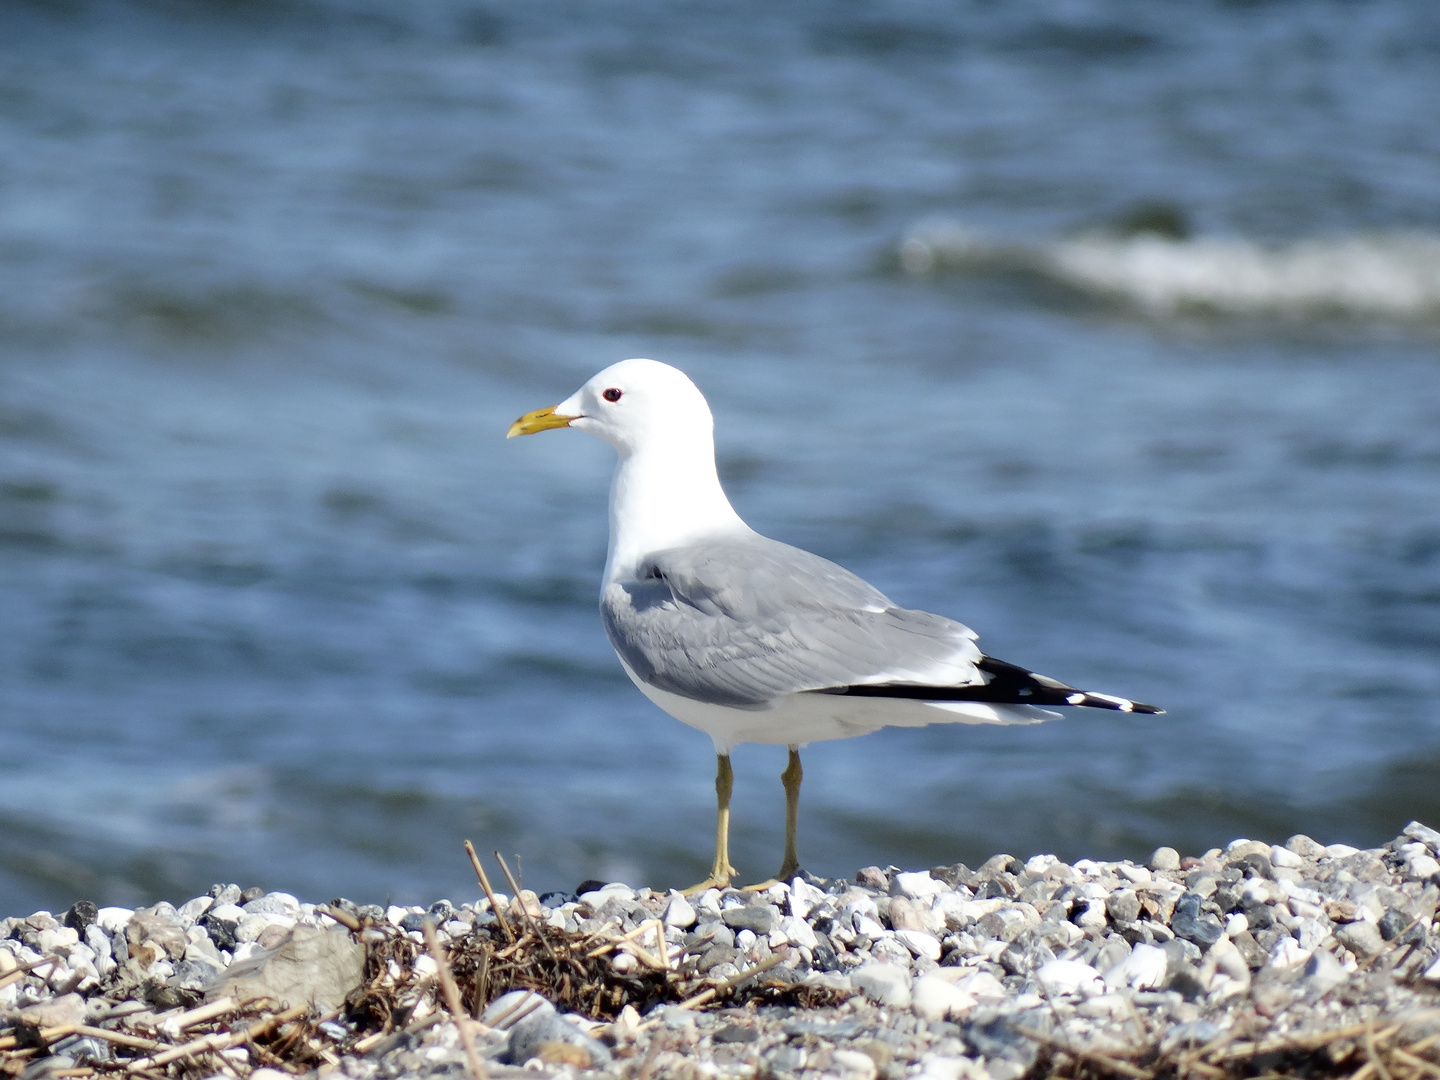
[741, 621]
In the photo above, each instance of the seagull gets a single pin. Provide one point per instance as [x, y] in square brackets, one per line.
[751, 640]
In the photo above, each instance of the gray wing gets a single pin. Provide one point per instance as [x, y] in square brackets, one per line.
[742, 621]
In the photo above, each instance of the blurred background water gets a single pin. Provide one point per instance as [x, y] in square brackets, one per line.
[1106, 326]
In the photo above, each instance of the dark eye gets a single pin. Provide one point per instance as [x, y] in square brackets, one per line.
[611, 395]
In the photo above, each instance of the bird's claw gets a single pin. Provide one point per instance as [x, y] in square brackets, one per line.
[718, 879]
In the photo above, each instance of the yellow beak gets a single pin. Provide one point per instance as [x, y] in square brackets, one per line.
[539, 420]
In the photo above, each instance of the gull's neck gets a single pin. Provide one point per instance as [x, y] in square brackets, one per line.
[665, 496]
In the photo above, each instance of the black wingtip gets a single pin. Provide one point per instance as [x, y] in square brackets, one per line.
[1088, 699]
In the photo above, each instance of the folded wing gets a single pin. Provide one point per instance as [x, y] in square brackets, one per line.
[744, 621]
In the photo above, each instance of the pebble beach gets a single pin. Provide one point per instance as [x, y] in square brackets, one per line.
[1292, 959]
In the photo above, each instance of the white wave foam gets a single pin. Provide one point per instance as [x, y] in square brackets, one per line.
[1379, 275]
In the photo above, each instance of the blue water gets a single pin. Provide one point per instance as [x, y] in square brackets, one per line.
[282, 606]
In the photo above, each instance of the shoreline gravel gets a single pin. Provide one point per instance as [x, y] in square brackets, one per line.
[1293, 959]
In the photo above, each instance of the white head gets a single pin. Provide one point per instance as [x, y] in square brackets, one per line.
[632, 405]
[665, 491]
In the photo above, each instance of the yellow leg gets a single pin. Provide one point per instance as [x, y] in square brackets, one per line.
[720, 871]
[790, 864]
[791, 777]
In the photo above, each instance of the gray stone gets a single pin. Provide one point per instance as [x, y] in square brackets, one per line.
[1179, 951]
[872, 877]
[1361, 938]
[1188, 922]
[1303, 846]
[534, 1036]
[759, 920]
[194, 975]
[716, 955]
[735, 1033]
[1255, 956]
[1185, 980]
[784, 1059]
[314, 965]
[1202, 883]
[1123, 906]
[1256, 865]
[47, 1066]
[1239, 849]
[85, 1047]
[509, 1009]
[904, 915]
[1423, 833]
[1164, 858]
[276, 903]
[1113, 952]
[148, 925]
[1258, 914]
[709, 933]
[1395, 925]
[995, 1039]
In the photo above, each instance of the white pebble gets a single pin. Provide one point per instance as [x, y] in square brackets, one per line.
[623, 963]
[853, 1065]
[1143, 969]
[1093, 917]
[1284, 857]
[1069, 977]
[678, 912]
[113, 919]
[798, 932]
[193, 909]
[934, 998]
[1288, 953]
[804, 898]
[1422, 866]
[923, 945]
[939, 1067]
[1036, 865]
[919, 885]
[884, 984]
[864, 924]
[615, 889]
[252, 926]
[57, 941]
[1136, 875]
